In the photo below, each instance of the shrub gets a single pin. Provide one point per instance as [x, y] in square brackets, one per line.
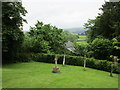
[81, 48]
[102, 48]
[23, 57]
[73, 60]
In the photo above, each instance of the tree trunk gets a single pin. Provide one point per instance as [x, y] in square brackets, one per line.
[84, 64]
[64, 60]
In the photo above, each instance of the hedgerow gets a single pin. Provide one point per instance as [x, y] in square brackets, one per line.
[70, 60]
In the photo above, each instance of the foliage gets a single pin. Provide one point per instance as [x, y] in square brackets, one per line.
[23, 57]
[92, 25]
[116, 43]
[116, 47]
[81, 48]
[70, 60]
[107, 23]
[12, 36]
[44, 38]
[82, 38]
[69, 36]
[102, 48]
[35, 44]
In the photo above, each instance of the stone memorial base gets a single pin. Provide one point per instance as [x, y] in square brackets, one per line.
[56, 69]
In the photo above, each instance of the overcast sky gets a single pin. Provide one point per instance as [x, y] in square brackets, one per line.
[61, 13]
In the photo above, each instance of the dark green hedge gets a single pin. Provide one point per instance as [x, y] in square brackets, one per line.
[24, 57]
[71, 60]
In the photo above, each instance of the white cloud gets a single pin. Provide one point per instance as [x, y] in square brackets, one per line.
[61, 13]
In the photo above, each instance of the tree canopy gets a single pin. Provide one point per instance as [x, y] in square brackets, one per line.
[12, 35]
[45, 38]
[106, 24]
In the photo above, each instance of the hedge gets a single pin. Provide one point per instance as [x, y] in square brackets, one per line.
[70, 60]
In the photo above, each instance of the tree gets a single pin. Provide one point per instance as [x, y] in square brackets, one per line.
[116, 47]
[46, 38]
[64, 60]
[102, 48]
[115, 43]
[81, 48]
[69, 36]
[107, 23]
[12, 35]
[92, 25]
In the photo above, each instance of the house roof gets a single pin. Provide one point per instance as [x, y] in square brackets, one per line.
[69, 44]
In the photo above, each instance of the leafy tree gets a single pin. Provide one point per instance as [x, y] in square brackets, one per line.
[115, 43]
[107, 23]
[116, 47]
[69, 36]
[110, 20]
[92, 25]
[102, 48]
[12, 36]
[45, 38]
[35, 44]
[82, 48]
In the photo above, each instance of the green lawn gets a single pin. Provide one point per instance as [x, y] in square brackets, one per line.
[39, 75]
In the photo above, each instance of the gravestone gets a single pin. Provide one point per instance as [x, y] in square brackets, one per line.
[56, 68]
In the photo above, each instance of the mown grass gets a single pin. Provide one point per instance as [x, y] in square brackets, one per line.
[39, 75]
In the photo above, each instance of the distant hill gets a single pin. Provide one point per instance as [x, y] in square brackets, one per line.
[76, 30]
[72, 30]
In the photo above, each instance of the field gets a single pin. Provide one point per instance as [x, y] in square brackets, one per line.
[82, 38]
[39, 75]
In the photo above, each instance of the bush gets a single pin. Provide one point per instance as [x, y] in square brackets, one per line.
[72, 60]
[102, 48]
[81, 48]
[23, 57]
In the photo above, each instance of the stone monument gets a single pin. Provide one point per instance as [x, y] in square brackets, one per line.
[56, 68]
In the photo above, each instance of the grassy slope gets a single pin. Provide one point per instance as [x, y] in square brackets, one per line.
[38, 75]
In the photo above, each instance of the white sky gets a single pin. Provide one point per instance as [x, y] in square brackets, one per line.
[61, 13]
